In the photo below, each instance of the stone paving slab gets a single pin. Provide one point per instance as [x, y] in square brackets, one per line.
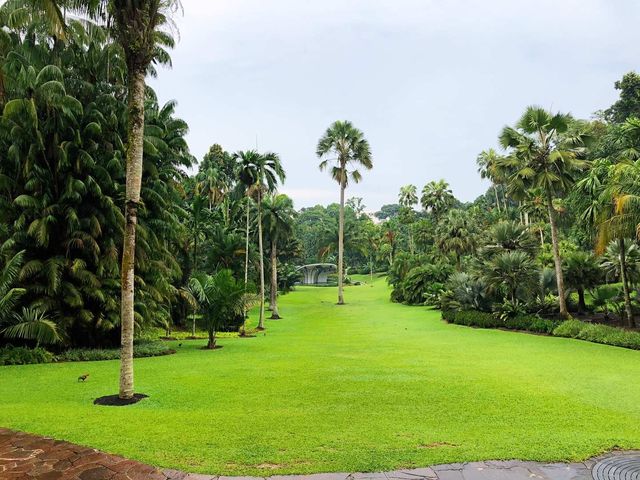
[27, 457]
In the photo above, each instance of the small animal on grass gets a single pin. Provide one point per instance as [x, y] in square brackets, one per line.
[179, 344]
[83, 377]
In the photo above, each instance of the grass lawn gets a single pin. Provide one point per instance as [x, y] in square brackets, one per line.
[362, 387]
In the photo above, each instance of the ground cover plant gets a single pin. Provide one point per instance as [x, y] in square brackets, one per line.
[371, 385]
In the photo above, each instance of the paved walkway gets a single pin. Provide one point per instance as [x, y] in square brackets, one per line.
[25, 457]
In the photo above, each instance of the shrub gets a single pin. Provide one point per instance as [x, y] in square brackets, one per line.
[142, 348]
[10, 355]
[598, 333]
[475, 318]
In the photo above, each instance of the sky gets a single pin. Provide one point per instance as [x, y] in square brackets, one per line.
[429, 82]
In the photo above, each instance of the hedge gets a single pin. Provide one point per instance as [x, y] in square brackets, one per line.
[598, 333]
[475, 318]
[21, 355]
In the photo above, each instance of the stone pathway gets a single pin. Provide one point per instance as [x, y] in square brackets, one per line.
[25, 457]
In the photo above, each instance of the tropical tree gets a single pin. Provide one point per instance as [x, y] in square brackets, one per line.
[511, 272]
[581, 272]
[408, 196]
[137, 25]
[278, 221]
[345, 148]
[437, 198]
[542, 154]
[456, 235]
[260, 173]
[223, 302]
[489, 167]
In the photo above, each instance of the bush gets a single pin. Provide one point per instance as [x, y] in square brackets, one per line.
[141, 348]
[598, 333]
[475, 318]
[10, 355]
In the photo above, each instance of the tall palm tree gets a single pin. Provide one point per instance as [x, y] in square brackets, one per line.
[540, 157]
[260, 173]
[456, 235]
[437, 198]
[278, 221]
[489, 167]
[408, 196]
[345, 148]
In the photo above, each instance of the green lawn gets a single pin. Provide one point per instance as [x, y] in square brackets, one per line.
[362, 387]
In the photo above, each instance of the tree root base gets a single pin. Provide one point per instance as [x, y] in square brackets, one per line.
[116, 401]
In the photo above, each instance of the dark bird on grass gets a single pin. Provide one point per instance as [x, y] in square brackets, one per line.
[179, 344]
[83, 377]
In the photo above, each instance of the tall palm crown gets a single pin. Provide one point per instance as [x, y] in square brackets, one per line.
[408, 196]
[542, 154]
[437, 197]
[278, 216]
[344, 146]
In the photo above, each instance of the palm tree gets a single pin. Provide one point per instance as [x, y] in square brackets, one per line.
[489, 167]
[260, 173]
[511, 272]
[223, 301]
[540, 157]
[278, 221]
[345, 148]
[437, 198]
[408, 196]
[455, 235]
[582, 272]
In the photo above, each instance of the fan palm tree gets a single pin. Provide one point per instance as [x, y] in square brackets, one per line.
[489, 167]
[138, 27]
[345, 148]
[437, 198]
[278, 221]
[512, 272]
[408, 196]
[456, 235]
[541, 157]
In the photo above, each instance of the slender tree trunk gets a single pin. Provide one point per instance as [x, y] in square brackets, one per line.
[564, 313]
[371, 268]
[341, 244]
[541, 237]
[193, 325]
[625, 283]
[135, 135]
[274, 281]
[495, 191]
[212, 340]
[526, 218]
[582, 305]
[261, 317]
[246, 249]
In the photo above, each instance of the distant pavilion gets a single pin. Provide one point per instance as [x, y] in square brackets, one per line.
[317, 273]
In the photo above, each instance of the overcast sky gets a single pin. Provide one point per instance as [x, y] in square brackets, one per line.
[430, 82]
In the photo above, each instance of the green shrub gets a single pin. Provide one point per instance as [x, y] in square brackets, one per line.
[141, 348]
[10, 355]
[598, 333]
[475, 318]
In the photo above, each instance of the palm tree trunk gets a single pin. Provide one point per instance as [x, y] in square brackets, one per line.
[495, 191]
[625, 283]
[135, 134]
[212, 340]
[341, 244]
[564, 313]
[274, 282]
[582, 305]
[261, 317]
[246, 249]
